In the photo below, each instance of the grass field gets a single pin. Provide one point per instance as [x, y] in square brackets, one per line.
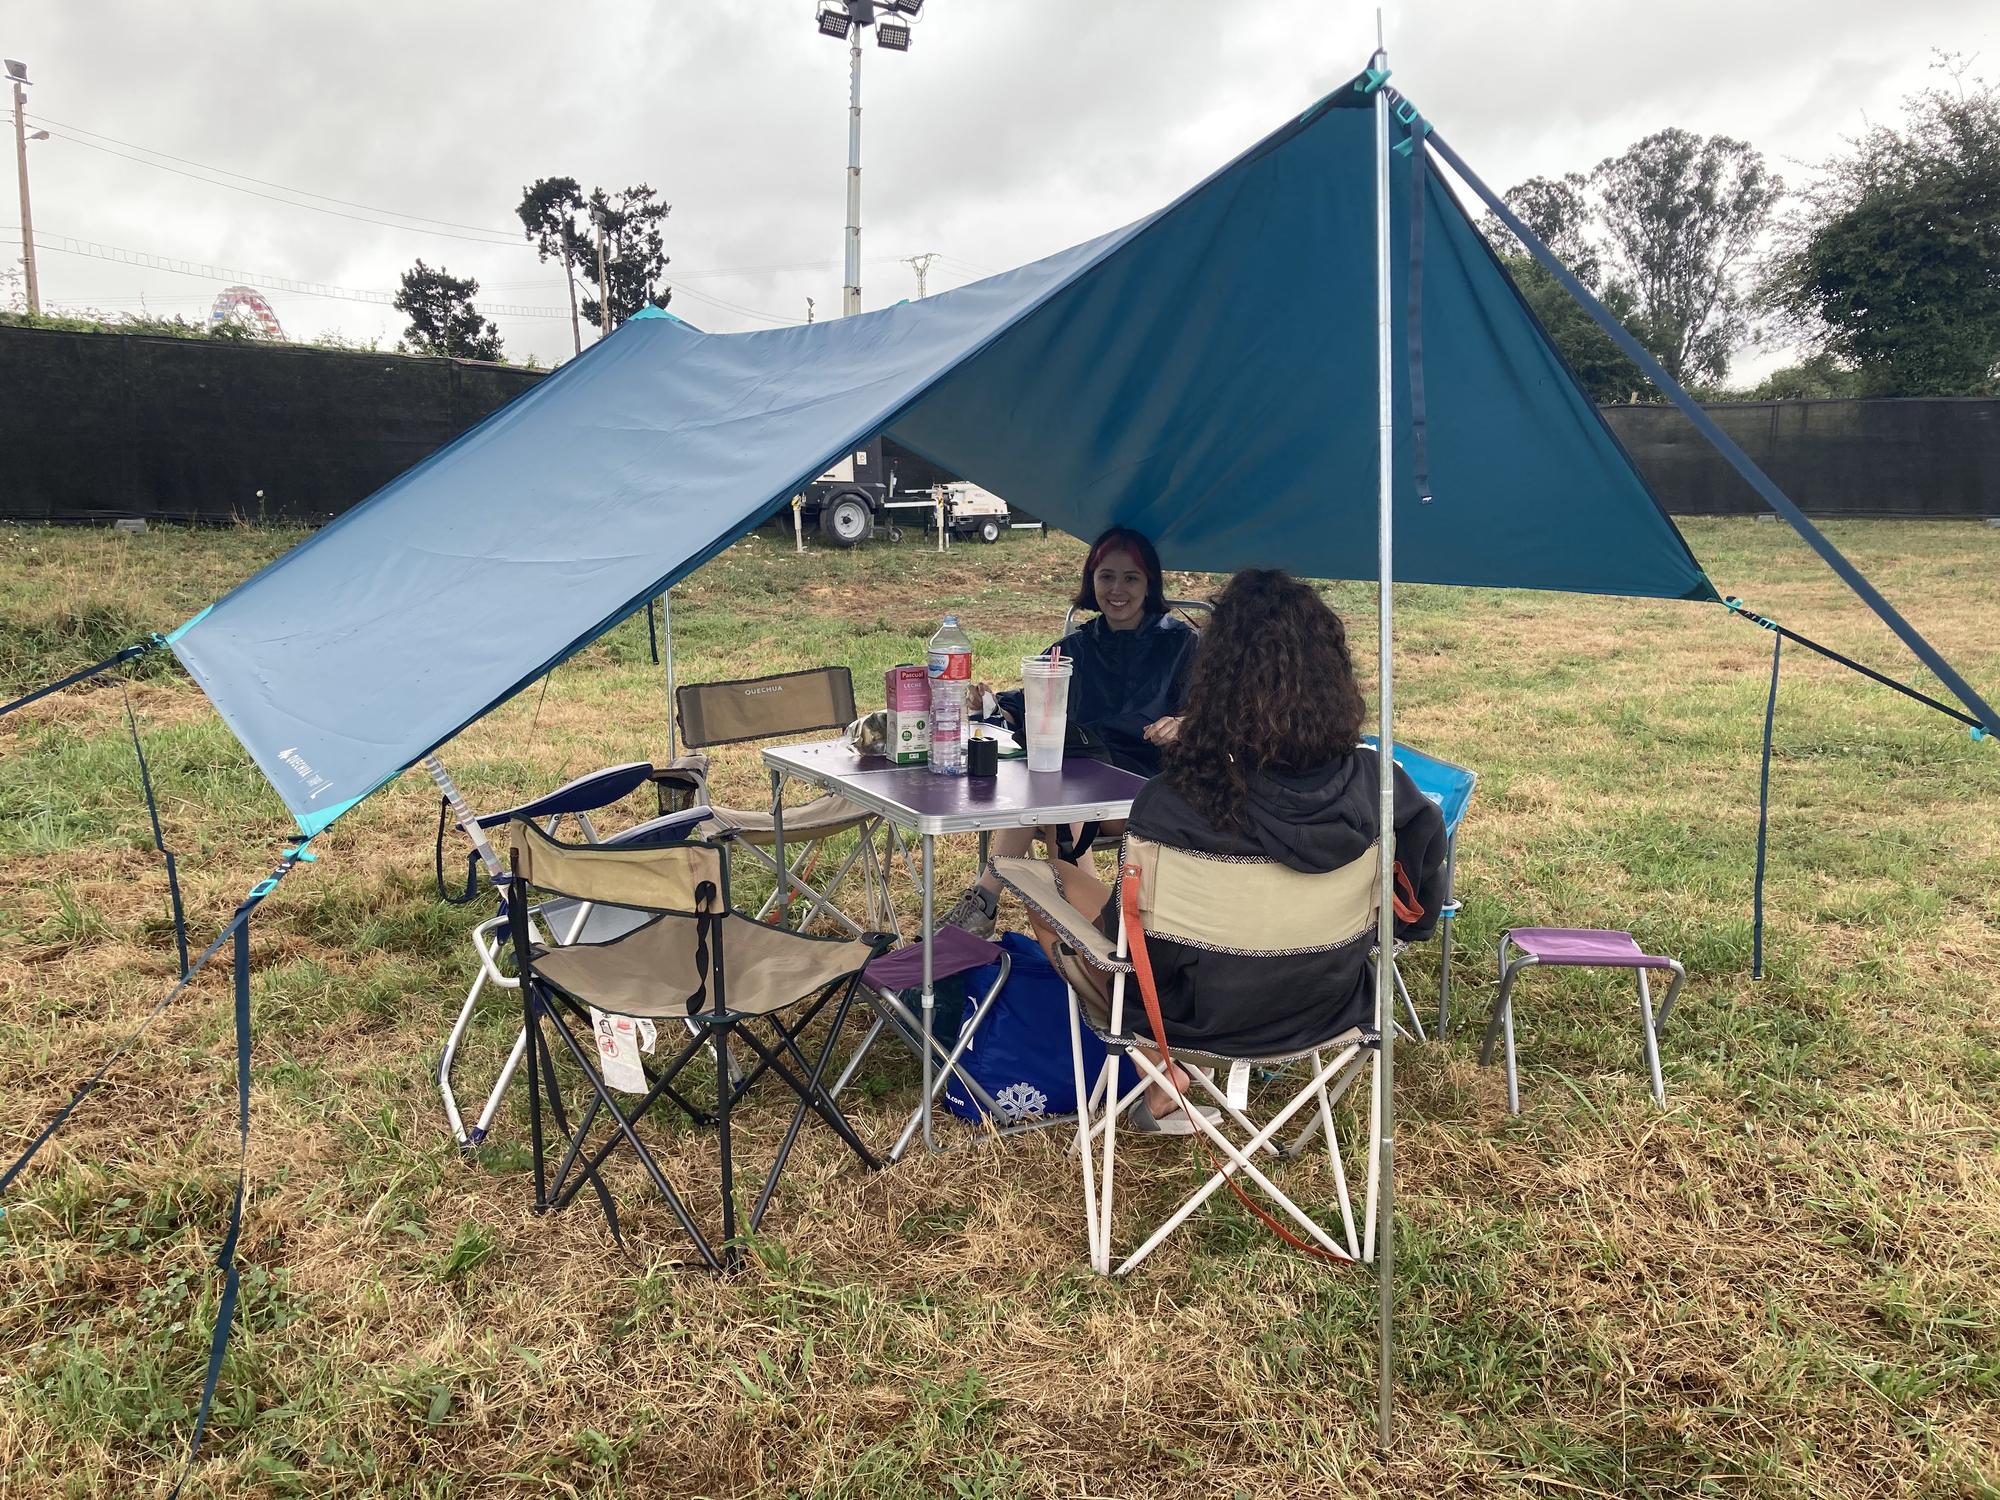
[1786, 1283]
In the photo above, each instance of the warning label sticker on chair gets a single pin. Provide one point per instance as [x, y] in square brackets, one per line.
[621, 1041]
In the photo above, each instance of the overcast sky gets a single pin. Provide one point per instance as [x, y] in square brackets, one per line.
[1011, 129]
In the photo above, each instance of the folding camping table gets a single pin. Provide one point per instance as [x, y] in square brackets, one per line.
[915, 802]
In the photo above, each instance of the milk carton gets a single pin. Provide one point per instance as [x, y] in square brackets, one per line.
[909, 722]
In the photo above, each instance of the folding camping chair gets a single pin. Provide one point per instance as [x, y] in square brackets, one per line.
[764, 708]
[560, 921]
[1260, 909]
[691, 957]
[1450, 787]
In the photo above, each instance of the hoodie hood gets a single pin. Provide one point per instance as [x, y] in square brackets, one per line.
[1313, 821]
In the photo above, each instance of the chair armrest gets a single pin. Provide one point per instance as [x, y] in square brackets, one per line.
[1036, 884]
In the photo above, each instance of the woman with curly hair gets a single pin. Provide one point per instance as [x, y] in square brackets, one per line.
[1268, 764]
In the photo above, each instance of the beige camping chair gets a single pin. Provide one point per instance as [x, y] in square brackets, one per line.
[691, 960]
[781, 706]
[1242, 907]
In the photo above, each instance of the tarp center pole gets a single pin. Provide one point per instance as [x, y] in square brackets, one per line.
[1385, 935]
[466, 818]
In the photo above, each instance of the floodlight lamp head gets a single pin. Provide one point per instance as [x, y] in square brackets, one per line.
[894, 35]
[16, 70]
[834, 21]
[910, 8]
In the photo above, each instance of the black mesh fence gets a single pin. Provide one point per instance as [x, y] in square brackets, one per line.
[1911, 457]
[98, 426]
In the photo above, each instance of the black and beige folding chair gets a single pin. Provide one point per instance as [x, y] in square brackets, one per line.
[1251, 910]
[692, 958]
[559, 921]
[776, 707]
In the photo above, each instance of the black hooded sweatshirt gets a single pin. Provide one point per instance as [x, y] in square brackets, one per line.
[1122, 682]
[1314, 822]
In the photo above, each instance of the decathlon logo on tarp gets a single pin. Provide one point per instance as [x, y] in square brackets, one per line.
[315, 783]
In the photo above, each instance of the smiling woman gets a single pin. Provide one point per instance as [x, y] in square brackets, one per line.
[1125, 695]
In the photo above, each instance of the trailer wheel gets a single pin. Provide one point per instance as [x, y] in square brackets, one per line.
[845, 520]
[989, 531]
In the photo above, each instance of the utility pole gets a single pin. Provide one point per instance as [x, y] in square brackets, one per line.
[921, 264]
[18, 71]
[809, 309]
[850, 296]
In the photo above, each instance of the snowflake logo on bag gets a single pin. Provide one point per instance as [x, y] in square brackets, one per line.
[1021, 1101]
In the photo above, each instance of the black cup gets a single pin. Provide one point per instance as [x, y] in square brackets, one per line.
[982, 757]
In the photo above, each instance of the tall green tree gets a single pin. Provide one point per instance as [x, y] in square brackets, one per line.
[1560, 213]
[1891, 266]
[635, 257]
[1682, 215]
[548, 212]
[442, 317]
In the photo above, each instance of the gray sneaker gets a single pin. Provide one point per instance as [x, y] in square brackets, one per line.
[975, 912]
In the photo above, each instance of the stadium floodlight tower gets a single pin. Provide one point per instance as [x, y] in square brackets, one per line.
[845, 20]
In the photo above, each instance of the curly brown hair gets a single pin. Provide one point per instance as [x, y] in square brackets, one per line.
[1272, 690]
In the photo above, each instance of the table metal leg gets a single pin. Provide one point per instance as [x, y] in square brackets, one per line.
[778, 846]
[930, 991]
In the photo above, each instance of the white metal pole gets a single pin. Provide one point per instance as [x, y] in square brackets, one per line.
[850, 296]
[1385, 937]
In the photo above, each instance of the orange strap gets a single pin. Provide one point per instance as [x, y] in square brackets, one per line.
[1142, 965]
[1404, 897]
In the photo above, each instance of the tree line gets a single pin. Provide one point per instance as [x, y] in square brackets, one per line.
[611, 242]
[1884, 270]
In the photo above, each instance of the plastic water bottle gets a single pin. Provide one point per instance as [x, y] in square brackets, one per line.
[950, 670]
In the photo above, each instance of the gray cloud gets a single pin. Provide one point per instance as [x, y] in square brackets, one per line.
[1008, 131]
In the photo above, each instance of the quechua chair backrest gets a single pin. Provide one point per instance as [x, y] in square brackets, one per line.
[763, 708]
[1251, 907]
[668, 879]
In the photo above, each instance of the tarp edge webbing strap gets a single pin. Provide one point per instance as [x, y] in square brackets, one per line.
[159, 839]
[1420, 442]
[1721, 442]
[1763, 819]
[225, 1258]
[130, 653]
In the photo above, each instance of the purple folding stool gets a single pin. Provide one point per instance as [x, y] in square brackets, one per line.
[1577, 948]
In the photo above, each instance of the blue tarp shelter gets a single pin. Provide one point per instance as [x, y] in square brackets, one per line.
[1207, 374]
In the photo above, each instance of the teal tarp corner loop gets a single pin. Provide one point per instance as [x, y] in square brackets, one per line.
[182, 629]
[1371, 80]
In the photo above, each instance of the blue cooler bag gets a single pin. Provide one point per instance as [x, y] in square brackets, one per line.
[1021, 1054]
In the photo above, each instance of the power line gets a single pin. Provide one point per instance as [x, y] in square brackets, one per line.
[61, 244]
[748, 312]
[508, 234]
[160, 166]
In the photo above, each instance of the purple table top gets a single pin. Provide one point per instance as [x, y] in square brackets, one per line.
[914, 799]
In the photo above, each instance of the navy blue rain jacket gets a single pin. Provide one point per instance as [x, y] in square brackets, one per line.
[1124, 680]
